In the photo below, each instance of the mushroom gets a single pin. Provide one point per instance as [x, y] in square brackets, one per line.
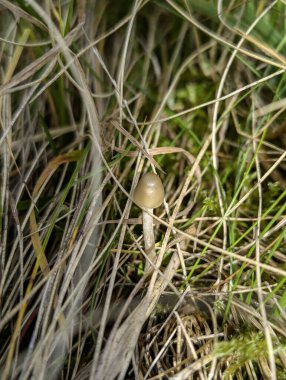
[149, 194]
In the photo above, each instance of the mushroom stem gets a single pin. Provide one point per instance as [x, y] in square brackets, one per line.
[149, 239]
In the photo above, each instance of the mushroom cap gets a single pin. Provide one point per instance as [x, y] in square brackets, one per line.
[149, 192]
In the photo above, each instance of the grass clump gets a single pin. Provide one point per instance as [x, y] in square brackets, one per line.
[247, 352]
[92, 94]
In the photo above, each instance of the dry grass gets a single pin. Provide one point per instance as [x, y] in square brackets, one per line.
[92, 94]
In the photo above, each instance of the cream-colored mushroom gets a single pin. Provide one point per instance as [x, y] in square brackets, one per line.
[149, 194]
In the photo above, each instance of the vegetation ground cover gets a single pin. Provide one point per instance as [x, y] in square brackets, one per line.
[92, 95]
